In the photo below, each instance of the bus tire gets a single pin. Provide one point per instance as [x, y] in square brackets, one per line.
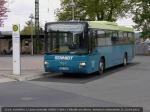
[125, 60]
[101, 66]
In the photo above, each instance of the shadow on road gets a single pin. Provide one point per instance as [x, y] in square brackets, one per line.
[84, 78]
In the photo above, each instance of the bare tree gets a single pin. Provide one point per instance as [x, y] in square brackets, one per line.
[3, 11]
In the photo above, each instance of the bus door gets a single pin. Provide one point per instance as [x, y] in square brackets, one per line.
[93, 50]
[115, 48]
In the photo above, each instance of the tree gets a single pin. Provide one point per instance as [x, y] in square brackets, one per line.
[108, 10]
[29, 28]
[3, 11]
[141, 17]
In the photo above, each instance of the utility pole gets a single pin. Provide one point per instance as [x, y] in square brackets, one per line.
[31, 26]
[37, 26]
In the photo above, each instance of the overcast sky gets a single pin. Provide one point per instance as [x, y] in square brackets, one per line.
[20, 11]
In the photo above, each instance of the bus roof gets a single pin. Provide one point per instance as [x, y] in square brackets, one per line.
[109, 26]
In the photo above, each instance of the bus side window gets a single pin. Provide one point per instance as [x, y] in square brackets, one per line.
[108, 37]
[131, 38]
[101, 39]
[125, 37]
[92, 39]
[115, 38]
[120, 35]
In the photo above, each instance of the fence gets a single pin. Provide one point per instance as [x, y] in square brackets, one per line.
[142, 49]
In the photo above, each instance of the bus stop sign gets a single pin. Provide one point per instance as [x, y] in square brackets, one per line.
[15, 28]
[16, 49]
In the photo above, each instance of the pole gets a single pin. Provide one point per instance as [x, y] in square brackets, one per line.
[16, 49]
[37, 25]
[73, 11]
[32, 42]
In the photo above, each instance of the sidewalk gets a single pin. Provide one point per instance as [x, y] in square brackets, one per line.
[25, 75]
[31, 68]
[5, 79]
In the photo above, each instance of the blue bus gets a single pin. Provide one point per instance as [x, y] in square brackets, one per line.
[86, 47]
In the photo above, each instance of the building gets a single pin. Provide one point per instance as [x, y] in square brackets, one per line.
[25, 42]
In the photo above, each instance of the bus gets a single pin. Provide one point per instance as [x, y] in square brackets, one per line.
[87, 47]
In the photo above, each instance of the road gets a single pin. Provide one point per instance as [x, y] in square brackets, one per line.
[119, 86]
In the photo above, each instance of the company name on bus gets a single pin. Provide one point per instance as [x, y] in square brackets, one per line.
[63, 57]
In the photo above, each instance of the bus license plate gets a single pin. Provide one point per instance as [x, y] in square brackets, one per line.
[63, 68]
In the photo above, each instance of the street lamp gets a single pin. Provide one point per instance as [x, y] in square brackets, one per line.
[72, 4]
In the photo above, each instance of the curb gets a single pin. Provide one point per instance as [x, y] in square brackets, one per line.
[24, 77]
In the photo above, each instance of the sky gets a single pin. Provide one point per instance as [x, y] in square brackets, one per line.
[20, 10]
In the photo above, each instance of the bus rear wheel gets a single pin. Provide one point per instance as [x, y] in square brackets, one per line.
[125, 60]
[101, 66]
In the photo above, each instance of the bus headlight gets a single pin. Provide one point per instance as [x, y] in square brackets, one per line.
[82, 64]
[45, 63]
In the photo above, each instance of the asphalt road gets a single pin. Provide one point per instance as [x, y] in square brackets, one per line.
[119, 86]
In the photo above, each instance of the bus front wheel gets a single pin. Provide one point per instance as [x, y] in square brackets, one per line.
[101, 66]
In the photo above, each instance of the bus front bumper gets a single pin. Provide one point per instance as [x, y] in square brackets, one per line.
[73, 67]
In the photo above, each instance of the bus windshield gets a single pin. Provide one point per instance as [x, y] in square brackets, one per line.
[68, 38]
[67, 43]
